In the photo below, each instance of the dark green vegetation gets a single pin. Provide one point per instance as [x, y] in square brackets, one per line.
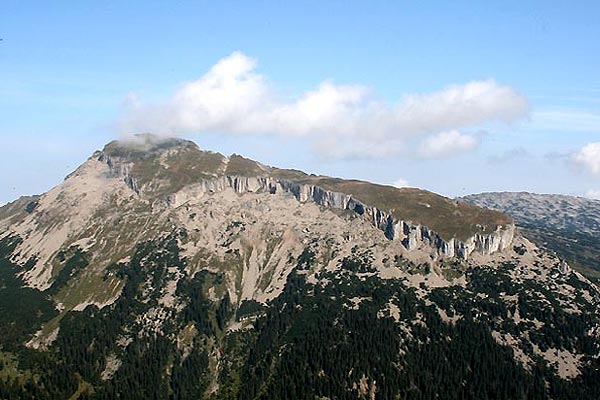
[581, 250]
[73, 261]
[86, 339]
[24, 373]
[349, 337]
[31, 206]
[312, 344]
[22, 309]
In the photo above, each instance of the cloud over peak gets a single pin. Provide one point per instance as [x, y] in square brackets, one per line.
[593, 194]
[400, 183]
[233, 98]
[589, 157]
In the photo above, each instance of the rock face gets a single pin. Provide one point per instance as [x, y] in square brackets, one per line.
[487, 244]
[411, 236]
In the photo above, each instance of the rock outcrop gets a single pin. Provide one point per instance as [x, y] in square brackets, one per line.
[120, 168]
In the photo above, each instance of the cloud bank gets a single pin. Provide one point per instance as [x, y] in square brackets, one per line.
[400, 183]
[447, 144]
[593, 194]
[233, 98]
[589, 158]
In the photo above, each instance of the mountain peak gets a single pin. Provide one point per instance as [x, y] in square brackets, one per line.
[157, 253]
[159, 168]
[145, 145]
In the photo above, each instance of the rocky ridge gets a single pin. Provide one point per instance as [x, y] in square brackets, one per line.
[410, 233]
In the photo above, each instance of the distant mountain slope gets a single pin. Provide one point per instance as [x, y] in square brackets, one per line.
[157, 270]
[569, 226]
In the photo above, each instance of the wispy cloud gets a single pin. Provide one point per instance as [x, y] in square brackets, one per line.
[593, 194]
[233, 98]
[509, 155]
[447, 144]
[400, 183]
[589, 157]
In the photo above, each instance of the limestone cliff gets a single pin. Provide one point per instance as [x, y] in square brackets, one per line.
[410, 235]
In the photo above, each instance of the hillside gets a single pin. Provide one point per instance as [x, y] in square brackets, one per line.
[566, 225]
[159, 270]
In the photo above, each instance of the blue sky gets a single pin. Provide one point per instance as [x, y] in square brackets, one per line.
[74, 75]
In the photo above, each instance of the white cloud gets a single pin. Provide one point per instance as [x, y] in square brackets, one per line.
[232, 98]
[593, 194]
[400, 183]
[331, 147]
[589, 157]
[447, 144]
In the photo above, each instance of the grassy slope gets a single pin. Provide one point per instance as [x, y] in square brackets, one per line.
[17, 210]
[449, 218]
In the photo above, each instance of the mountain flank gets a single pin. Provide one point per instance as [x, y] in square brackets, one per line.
[159, 270]
[182, 163]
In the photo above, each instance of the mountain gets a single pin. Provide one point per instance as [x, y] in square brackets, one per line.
[158, 270]
[568, 226]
